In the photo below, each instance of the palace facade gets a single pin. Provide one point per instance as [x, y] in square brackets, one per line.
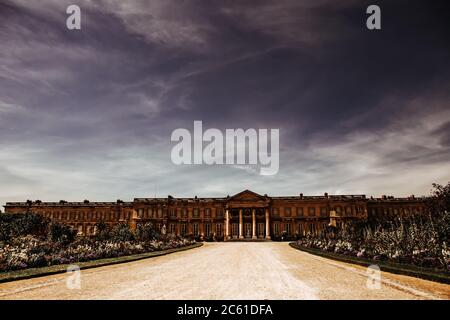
[246, 215]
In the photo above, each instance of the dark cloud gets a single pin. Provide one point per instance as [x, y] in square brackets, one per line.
[90, 113]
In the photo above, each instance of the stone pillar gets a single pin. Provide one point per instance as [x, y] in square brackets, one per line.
[227, 224]
[267, 224]
[241, 234]
[253, 224]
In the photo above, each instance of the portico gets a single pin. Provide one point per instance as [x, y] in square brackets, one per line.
[247, 216]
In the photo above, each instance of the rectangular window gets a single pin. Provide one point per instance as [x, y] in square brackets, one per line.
[184, 213]
[207, 229]
[300, 229]
[348, 210]
[195, 229]
[160, 213]
[234, 230]
[312, 228]
[275, 211]
[287, 211]
[323, 211]
[276, 228]
[288, 228]
[300, 212]
[219, 229]
[183, 229]
[207, 213]
[173, 213]
[311, 211]
[195, 213]
[172, 228]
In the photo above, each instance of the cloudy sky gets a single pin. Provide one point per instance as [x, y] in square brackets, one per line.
[88, 114]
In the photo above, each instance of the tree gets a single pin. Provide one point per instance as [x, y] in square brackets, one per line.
[61, 233]
[102, 231]
[146, 232]
[122, 232]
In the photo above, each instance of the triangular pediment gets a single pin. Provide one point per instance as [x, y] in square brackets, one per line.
[247, 195]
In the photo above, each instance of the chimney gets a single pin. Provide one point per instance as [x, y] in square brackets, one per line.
[301, 195]
[326, 194]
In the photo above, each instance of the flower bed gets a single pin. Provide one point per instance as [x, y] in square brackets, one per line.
[30, 241]
[418, 241]
[30, 252]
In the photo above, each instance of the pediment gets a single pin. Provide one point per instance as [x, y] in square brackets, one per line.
[247, 195]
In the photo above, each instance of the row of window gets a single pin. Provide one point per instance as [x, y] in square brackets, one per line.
[207, 229]
[302, 228]
[174, 213]
[323, 211]
[84, 216]
[396, 211]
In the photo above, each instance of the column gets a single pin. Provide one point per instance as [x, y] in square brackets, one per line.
[267, 224]
[253, 224]
[241, 235]
[227, 224]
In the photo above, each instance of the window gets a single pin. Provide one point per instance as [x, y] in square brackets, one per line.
[207, 229]
[195, 229]
[287, 211]
[348, 210]
[300, 229]
[219, 229]
[275, 211]
[338, 210]
[172, 228]
[288, 228]
[219, 212]
[311, 211]
[140, 213]
[312, 228]
[173, 213]
[195, 213]
[184, 213]
[183, 229]
[276, 228]
[159, 212]
[207, 213]
[299, 212]
[323, 211]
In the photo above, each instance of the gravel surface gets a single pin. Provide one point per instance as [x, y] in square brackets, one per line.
[237, 270]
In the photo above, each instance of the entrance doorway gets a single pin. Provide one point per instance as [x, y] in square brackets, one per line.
[248, 230]
[234, 230]
[260, 230]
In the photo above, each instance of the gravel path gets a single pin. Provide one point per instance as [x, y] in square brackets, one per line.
[255, 270]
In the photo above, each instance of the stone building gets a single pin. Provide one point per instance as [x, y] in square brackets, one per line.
[246, 215]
